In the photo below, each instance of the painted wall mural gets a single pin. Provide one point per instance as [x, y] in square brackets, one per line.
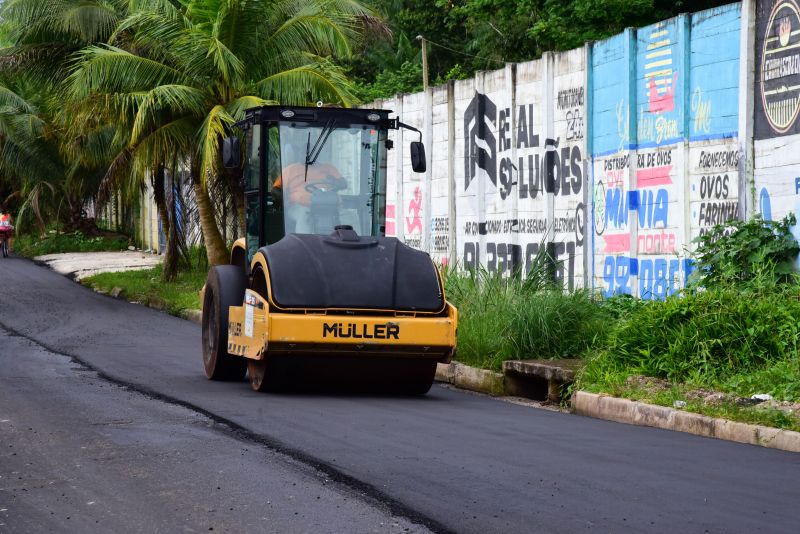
[524, 176]
[777, 101]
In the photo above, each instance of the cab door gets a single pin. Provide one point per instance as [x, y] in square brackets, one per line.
[252, 190]
[274, 226]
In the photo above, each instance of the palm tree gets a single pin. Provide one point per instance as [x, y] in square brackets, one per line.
[178, 74]
[41, 35]
[28, 147]
[43, 153]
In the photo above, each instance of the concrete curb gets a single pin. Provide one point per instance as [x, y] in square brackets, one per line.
[195, 316]
[471, 378]
[642, 414]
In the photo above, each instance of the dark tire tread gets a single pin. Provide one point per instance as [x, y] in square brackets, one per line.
[225, 287]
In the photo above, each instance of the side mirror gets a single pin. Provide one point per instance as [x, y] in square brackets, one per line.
[231, 153]
[418, 156]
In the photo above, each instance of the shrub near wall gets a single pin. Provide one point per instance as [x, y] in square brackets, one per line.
[30, 246]
[737, 329]
[742, 341]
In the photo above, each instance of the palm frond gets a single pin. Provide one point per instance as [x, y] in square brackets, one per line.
[107, 69]
[214, 127]
[305, 84]
[237, 107]
[167, 101]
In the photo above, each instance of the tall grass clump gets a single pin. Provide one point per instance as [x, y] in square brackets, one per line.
[148, 286]
[503, 318]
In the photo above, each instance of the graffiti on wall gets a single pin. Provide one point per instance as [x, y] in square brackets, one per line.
[714, 188]
[480, 148]
[777, 108]
[570, 102]
[390, 220]
[413, 219]
[542, 167]
[658, 69]
[665, 161]
[639, 201]
[440, 238]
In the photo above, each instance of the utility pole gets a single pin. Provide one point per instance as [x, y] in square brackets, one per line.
[424, 62]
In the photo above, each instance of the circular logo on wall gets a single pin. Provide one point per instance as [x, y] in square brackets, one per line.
[780, 66]
[600, 208]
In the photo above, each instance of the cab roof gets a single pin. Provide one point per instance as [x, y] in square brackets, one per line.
[321, 115]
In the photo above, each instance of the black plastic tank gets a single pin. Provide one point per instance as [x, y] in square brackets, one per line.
[347, 271]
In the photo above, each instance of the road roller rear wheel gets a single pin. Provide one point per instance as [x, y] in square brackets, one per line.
[225, 287]
[418, 378]
[267, 375]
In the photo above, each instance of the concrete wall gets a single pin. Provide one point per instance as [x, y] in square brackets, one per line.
[615, 156]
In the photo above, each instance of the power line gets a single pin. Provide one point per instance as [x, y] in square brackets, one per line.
[502, 62]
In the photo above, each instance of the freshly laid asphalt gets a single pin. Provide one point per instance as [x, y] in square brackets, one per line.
[452, 461]
[81, 455]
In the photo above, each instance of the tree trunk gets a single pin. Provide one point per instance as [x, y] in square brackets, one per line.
[170, 265]
[216, 250]
[159, 196]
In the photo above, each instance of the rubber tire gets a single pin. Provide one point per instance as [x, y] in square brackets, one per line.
[5, 247]
[271, 374]
[424, 372]
[225, 287]
[265, 375]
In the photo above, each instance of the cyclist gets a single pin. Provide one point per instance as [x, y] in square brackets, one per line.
[6, 227]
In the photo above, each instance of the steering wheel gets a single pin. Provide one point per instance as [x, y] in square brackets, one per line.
[330, 184]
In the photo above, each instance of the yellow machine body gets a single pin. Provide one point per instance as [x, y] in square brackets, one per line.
[258, 329]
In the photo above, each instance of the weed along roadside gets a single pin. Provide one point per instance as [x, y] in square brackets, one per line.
[55, 242]
[728, 346]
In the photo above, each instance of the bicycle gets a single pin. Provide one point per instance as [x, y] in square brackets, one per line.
[5, 234]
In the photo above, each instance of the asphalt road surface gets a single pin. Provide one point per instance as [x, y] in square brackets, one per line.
[81, 455]
[449, 461]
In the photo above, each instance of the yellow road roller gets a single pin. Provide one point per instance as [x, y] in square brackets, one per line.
[315, 293]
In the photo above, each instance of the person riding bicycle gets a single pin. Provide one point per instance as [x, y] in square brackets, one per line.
[7, 227]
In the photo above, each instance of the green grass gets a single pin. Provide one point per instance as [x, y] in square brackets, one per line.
[735, 330]
[30, 246]
[512, 318]
[147, 287]
[742, 341]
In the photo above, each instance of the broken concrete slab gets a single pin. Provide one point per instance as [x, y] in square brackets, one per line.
[78, 265]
